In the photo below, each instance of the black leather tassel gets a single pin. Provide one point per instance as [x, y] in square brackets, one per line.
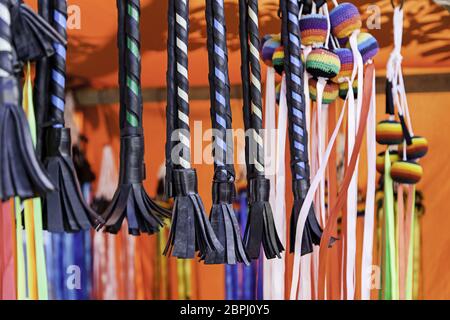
[21, 174]
[32, 35]
[261, 229]
[191, 230]
[130, 200]
[312, 233]
[226, 227]
[65, 209]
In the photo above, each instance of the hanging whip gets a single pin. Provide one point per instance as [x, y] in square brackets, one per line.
[191, 230]
[130, 200]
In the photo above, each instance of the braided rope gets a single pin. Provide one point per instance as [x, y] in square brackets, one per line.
[221, 111]
[182, 80]
[133, 99]
[245, 79]
[255, 88]
[295, 96]
[58, 62]
[6, 68]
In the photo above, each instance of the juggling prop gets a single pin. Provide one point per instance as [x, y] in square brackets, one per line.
[313, 30]
[343, 90]
[260, 229]
[191, 230]
[278, 60]
[24, 37]
[403, 173]
[64, 209]
[269, 44]
[346, 23]
[130, 200]
[223, 218]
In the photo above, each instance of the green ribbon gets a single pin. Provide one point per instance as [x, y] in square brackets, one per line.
[391, 276]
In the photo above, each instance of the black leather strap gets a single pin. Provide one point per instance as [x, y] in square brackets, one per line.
[185, 182]
[259, 188]
[132, 160]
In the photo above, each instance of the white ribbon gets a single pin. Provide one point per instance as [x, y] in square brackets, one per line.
[275, 143]
[307, 205]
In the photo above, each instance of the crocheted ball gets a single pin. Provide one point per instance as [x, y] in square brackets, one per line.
[389, 132]
[342, 42]
[346, 57]
[278, 60]
[278, 92]
[330, 92]
[345, 19]
[407, 172]
[343, 89]
[393, 155]
[323, 63]
[418, 149]
[367, 46]
[313, 29]
[270, 44]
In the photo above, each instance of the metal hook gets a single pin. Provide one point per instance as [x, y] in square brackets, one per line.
[402, 2]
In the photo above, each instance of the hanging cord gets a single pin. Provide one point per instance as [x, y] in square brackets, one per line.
[191, 231]
[131, 200]
[260, 229]
[298, 135]
[223, 218]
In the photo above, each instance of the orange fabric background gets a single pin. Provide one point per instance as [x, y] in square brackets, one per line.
[431, 117]
[92, 62]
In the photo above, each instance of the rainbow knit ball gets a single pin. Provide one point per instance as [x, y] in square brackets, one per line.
[367, 46]
[346, 57]
[345, 19]
[343, 89]
[417, 149]
[278, 60]
[313, 29]
[323, 63]
[407, 172]
[393, 155]
[330, 92]
[389, 132]
[270, 44]
[343, 42]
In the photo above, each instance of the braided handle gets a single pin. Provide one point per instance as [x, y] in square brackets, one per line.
[257, 155]
[182, 80]
[6, 67]
[133, 97]
[295, 96]
[220, 89]
[58, 63]
[245, 79]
